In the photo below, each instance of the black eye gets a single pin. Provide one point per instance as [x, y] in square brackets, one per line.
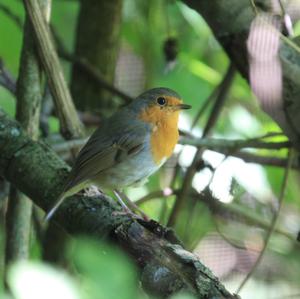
[161, 101]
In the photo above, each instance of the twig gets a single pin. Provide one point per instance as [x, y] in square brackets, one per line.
[292, 296]
[263, 160]
[46, 111]
[155, 194]
[205, 105]
[212, 97]
[69, 120]
[219, 144]
[83, 64]
[217, 207]
[87, 67]
[229, 241]
[273, 222]
[94, 73]
[252, 3]
[69, 145]
[4, 190]
[223, 91]
[191, 209]
[228, 148]
[18, 21]
[7, 80]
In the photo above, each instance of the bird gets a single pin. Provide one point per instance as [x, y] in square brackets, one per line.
[127, 147]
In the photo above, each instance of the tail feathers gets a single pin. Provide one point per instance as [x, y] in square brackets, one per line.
[55, 207]
[62, 197]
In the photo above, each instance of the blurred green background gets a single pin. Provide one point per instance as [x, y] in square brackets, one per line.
[228, 240]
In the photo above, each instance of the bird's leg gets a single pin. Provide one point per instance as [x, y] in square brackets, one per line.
[93, 191]
[121, 202]
[131, 204]
[126, 210]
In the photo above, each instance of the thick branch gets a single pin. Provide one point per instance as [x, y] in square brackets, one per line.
[36, 170]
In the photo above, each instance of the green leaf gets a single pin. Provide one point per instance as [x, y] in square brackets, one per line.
[106, 272]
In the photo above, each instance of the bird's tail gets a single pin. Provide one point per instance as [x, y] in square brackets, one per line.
[62, 197]
[55, 207]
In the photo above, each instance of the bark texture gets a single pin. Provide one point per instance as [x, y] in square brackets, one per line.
[97, 41]
[166, 267]
[29, 95]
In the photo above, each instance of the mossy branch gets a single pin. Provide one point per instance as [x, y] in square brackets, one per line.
[29, 95]
[38, 172]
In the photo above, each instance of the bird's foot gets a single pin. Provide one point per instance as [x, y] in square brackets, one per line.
[126, 210]
[92, 191]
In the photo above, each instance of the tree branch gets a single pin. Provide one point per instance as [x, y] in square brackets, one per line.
[230, 145]
[94, 73]
[38, 172]
[230, 22]
[218, 105]
[219, 208]
[69, 120]
[29, 95]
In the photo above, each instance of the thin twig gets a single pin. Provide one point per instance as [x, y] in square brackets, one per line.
[252, 3]
[225, 144]
[263, 160]
[292, 296]
[18, 21]
[210, 99]
[87, 67]
[83, 64]
[153, 195]
[273, 222]
[216, 206]
[223, 91]
[205, 105]
[191, 210]
[69, 145]
[94, 73]
[229, 241]
[7, 80]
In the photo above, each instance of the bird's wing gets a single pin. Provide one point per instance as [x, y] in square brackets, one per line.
[108, 146]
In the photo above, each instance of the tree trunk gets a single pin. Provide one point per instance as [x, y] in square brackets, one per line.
[97, 41]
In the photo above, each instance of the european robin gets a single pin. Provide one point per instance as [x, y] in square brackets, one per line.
[129, 146]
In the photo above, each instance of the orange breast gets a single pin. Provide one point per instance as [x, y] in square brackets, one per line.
[164, 135]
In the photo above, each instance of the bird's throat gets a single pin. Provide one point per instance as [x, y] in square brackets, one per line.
[164, 135]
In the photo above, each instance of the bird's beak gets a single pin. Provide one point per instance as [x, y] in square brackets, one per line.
[182, 107]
